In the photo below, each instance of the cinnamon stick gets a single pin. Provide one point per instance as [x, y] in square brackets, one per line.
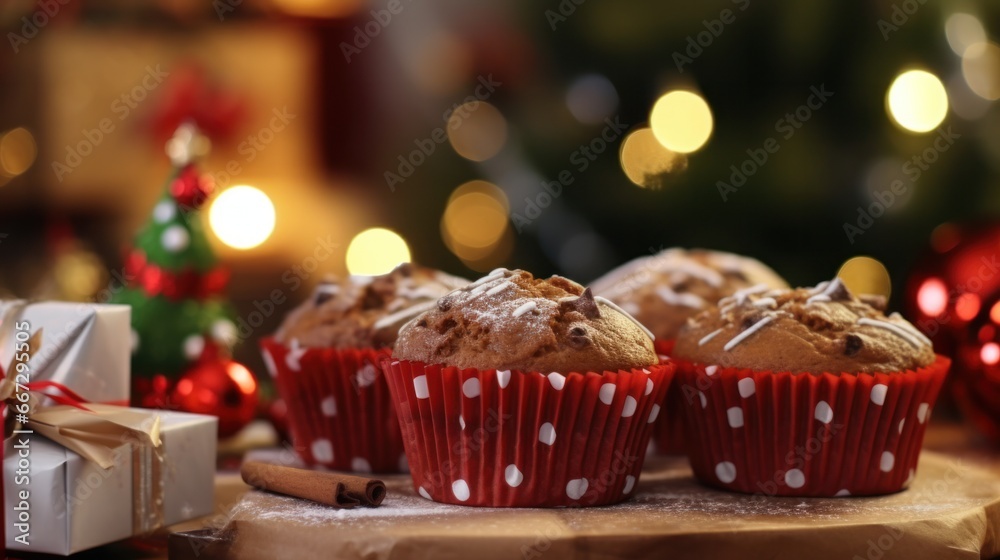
[333, 489]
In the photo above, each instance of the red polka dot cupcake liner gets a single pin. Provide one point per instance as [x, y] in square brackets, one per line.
[511, 439]
[785, 434]
[668, 431]
[340, 412]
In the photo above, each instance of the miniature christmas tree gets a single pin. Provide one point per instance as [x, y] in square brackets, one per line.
[174, 283]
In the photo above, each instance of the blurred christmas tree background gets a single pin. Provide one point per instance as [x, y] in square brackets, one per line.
[562, 137]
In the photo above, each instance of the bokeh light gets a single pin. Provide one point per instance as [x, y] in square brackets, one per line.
[645, 161]
[681, 121]
[995, 313]
[591, 98]
[477, 130]
[865, 275]
[242, 217]
[981, 70]
[917, 101]
[475, 224]
[17, 152]
[932, 297]
[962, 31]
[376, 251]
[967, 306]
[990, 353]
[319, 8]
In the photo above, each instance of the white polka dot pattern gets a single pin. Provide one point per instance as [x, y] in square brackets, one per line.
[735, 416]
[653, 413]
[460, 489]
[795, 478]
[471, 387]
[630, 405]
[878, 394]
[322, 450]
[887, 461]
[547, 433]
[629, 484]
[513, 476]
[576, 488]
[823, 412]
[607, 393]
[503, 377]
[420, 387]
[725, 472]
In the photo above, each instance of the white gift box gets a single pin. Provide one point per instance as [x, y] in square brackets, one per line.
[73, 504]
[86, 347]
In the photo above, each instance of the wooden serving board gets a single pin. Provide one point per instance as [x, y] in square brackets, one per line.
[952, 510]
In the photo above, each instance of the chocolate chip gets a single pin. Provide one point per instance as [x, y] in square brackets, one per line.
[444, 304]
[840, 291]
[323, 297]
[584, 304]
[577, 331]
[324, 292]
[578, 341]
[749, 321]
[852, 344]
[422, 323]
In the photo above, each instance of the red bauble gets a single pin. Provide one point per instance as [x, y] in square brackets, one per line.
[953, 296]
[219, 387]
[976, 383]
[190, 189]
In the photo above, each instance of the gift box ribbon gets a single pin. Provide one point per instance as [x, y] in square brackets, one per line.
[96, 432]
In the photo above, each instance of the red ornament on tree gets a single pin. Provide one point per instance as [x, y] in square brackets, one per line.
[218, 386]
[191, 189]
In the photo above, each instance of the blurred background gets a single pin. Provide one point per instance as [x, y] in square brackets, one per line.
[561, 137]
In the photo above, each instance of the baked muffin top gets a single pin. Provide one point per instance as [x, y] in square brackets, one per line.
[512, 320]
[664, 289]
[821, 329]
[365, 311]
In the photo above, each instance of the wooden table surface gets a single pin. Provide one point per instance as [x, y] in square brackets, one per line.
[951, 439]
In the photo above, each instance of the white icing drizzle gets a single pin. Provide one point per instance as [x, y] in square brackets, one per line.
[817, 297]
[498, 273]
[899, 331]
[499, 288]
[743, 335]
[739, 297]
[708, 337]
[820, 287]
[765, 302]
[622, 311]
[525, 307]
[482, 287]
[674, 298]
[392, 319]
[326, 288]
[909, 326]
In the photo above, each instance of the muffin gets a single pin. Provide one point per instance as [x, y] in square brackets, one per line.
[663, 290]
[525, 392]
[324, 359]
[806, 392]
